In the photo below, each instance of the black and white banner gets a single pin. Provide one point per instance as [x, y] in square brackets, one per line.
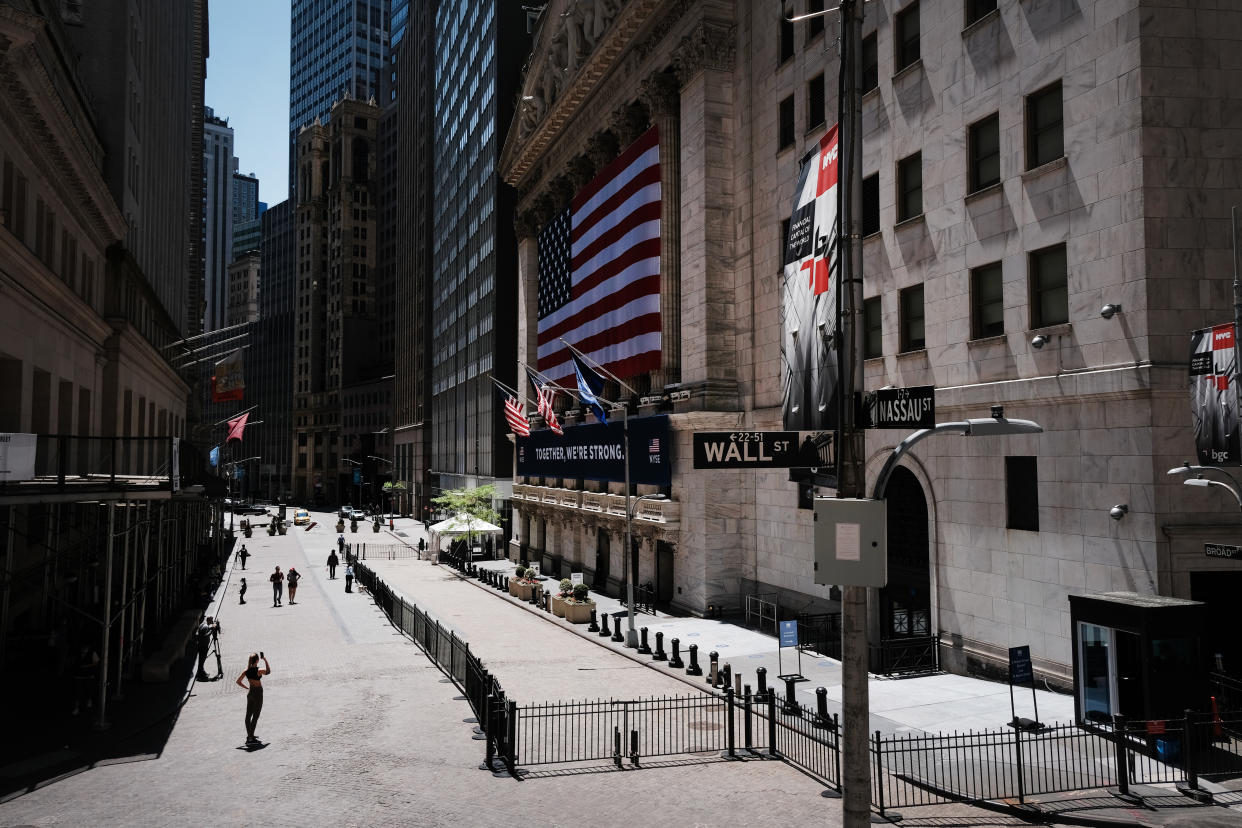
[594, 452]
[1214, 396]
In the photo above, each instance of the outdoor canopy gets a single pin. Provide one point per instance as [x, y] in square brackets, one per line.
[461, 524]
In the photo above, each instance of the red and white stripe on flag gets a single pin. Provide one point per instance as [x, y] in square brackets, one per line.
[515, 413]
[547, 412]
[609, 306]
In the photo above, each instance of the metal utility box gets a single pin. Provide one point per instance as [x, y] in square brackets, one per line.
[851, 542]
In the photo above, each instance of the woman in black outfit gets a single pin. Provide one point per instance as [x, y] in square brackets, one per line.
[254, 698]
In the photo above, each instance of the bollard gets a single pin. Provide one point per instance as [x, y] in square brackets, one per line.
[536, 595]
[694, 669]
[748, 731]
[771, 699]
[726, 676]
[547, 602]
[506, 586]
[737, 683]
[594, 627]
[643, 648]
[730, 728]
[762, 675]
[675, 660]
[617, 635]
[616, 743]
[634, 748]
[713, 668]
[791, 706]
[603, 630]
[821, 707]
[659, 651]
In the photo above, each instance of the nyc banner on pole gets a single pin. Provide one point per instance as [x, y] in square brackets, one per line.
[809, 380]
[1214, 396]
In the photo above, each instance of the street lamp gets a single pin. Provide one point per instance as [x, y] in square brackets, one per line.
[631, 635]
[233, 473]
[993, 426]
[1203, 482]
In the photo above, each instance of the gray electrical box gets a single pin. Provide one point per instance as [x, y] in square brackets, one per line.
[851, 542]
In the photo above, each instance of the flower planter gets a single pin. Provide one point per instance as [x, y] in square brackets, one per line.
[576, 613]
[558, 606]
[519, 590]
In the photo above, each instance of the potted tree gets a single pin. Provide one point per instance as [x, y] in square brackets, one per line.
[340, 525]
[579, 605]
[375, 527]
[520, 585]
[560, 599]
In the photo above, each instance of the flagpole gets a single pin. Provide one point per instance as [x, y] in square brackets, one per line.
[631, 635]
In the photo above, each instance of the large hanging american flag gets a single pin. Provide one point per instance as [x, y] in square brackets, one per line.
[599, 270]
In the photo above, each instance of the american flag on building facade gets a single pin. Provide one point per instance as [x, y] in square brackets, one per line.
[515, 413]
[544, 396]
[654, 448]
[599, 270]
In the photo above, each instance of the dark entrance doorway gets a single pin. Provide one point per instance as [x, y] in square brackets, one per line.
[664, 573]
[1220, 591]
[905, 604]
[601, 561]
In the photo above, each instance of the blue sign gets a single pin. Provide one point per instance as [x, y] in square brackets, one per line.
[594, 452]
[1020, 671]
[789, 633]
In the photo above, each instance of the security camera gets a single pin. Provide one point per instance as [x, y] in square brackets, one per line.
[1110, 310]
[1119, 511]
[1039, 341]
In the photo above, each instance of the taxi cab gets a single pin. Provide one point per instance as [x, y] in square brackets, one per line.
[301, 517]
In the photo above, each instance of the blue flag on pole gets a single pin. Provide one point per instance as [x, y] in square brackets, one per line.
[590, 386]
[215, 456]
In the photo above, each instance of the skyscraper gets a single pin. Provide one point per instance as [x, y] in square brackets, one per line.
[336, 50]
[219, 165]
[474, 275]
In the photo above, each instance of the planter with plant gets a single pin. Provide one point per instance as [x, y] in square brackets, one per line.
[579, 605]
[520, 585]
[340, 526]
[560, 599]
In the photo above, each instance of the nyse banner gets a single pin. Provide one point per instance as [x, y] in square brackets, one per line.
[594, 452]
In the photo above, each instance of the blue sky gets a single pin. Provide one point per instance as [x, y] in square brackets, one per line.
[248, 83]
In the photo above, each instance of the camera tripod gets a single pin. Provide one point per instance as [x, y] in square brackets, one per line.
[215, 641]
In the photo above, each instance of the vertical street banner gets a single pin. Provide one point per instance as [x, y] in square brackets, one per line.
[228, 384]
[599, 271]
[1214, 396]
[809, 379]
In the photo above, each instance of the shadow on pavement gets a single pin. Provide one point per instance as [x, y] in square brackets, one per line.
[44, 743]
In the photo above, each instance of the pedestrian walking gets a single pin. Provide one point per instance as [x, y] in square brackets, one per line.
[206, 628]
[333, 563]
[340, 542]
[349, 577]
[241, 593]
[293, 577]
[253, 674]
[242, 555]
[278, 586]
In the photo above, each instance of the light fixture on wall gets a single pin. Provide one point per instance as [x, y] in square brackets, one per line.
[1119, 511]
[1110, 310]
[1039, 341]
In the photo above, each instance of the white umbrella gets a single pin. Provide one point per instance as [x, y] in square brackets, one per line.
[461, 524]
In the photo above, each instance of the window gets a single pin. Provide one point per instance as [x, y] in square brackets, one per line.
[815, 102]
[787, 40]
[870, 63]
[1045, 137]
[977, 9]
[1022, 493]
[985, 153]
[873, 331]
[906, 36]
[871, 204]
[786, 133]
[910, 187]
[815, 25]
[987, 307]
[1049, 287]
[913, 337]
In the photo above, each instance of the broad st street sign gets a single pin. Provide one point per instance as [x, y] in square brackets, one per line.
[761, 450]
[1221, 550]
[913, 407]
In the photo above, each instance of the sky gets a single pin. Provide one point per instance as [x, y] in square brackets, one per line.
[248, 84]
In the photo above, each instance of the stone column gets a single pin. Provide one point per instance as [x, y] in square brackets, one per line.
[661, 96]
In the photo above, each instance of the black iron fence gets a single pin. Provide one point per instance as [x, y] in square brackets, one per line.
[905, 656]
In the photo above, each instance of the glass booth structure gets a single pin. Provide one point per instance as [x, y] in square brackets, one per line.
[1136, 656]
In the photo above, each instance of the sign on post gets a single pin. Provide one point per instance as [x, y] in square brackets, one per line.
[575, 578]
[758, 450]
[913, 407]
[1220, 550]
[17, 457]
[1020, 671]
[788, 637]
[789, 633]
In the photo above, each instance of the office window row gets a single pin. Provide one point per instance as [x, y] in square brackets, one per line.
[1047, 280]
[816, 112]
[907, 40]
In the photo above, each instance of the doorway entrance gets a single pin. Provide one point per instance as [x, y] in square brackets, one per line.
[601, 561]
[664, 573]
[905, 603]
[1220, 591]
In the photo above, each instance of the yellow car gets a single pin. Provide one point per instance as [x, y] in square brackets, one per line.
[301, 517]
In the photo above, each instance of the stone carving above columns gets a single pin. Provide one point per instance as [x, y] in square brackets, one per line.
[602, 148]
[710, 46]
[525, 226]
[581, 171]
[661, 94]
[629, 122]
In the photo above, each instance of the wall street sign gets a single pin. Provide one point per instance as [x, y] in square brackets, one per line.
[760, 450]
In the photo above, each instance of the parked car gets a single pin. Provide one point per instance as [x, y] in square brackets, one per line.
[301, 517]
[344, 512]
[248, 509]
[356, 514]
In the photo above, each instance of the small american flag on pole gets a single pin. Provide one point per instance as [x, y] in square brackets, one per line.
[515, 413]
[599, 270]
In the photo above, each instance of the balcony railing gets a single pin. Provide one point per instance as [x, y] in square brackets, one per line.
[64, 460]
[663, 512]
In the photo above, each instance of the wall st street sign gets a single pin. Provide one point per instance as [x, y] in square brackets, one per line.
[913, 407]
[762, 450]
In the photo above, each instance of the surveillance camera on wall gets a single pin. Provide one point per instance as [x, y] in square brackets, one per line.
[1110, 310]
[1039, 341]
[1119, 511]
